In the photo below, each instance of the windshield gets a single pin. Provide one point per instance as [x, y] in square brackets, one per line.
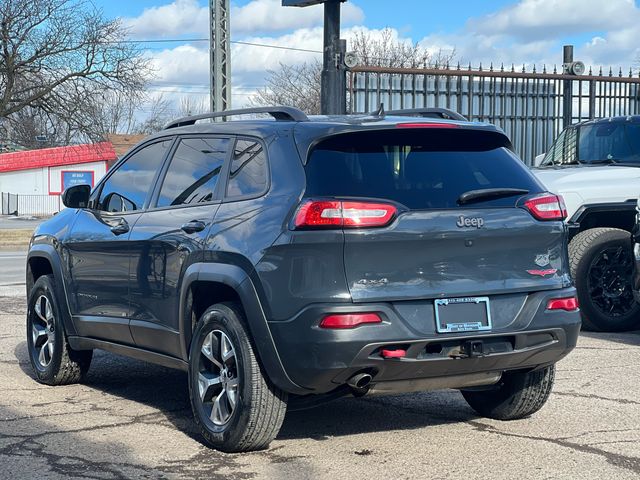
[420, 168]
[609, 142]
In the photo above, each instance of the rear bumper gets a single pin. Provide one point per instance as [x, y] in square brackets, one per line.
[321, 360]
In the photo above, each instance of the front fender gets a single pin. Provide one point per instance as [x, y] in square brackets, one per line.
[49, 253]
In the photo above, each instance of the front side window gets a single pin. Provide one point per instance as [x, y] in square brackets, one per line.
[127, 188]
[194, 172]
[249, 173]
[564, 149]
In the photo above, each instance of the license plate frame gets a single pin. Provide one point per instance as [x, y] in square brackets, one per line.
[478, 306]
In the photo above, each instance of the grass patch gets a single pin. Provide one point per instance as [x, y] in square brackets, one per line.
[15, 239]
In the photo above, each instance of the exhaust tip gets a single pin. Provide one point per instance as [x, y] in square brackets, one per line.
[360, 381]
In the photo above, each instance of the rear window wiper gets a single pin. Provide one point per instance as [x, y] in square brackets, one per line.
[489, 193]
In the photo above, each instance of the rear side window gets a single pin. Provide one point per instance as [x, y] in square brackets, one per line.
[194, 172]
[248, 175]
[419, 168]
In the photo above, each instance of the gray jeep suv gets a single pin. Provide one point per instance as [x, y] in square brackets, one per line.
[298, 259]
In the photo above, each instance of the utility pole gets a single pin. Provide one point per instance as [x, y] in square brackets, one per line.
[567, 87]
[333, 94]
[220, 55]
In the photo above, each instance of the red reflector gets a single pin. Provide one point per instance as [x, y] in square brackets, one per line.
[547, 207]
[427, 125]
[323, 214]
[569, 304]
[349, 320]
[394, 353]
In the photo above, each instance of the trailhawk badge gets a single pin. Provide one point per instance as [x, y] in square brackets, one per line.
[542, 260]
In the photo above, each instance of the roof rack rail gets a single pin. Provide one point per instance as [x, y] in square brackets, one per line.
[432, 112]
[279, 113]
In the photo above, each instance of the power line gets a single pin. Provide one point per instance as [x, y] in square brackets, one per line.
[237, 42]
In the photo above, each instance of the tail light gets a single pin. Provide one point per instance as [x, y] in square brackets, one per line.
[569, 304]
[547, 207]
[328, 214]
[349, 320]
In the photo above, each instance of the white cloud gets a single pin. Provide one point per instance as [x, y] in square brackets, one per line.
[184, 17]
[556, 18]
[179, 17]
[270, 16]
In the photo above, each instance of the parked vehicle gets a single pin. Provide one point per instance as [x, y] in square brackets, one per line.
[305, 258]
[595, 166]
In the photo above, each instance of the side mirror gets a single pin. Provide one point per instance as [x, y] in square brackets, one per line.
[76, 196]
[538, 160]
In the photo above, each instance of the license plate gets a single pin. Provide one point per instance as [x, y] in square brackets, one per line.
[462, 314]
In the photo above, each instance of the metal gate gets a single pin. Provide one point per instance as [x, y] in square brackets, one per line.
[531, 107]
[39, 205]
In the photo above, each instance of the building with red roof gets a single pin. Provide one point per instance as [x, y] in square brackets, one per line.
[49, 171]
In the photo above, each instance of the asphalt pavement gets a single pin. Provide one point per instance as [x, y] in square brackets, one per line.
[12, 273]
[132, 420]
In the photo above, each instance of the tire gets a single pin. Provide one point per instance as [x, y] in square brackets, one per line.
[602, 268]
[234, 404]
[53, 361]
[518, 395]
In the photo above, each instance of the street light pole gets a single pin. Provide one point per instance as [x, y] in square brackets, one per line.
[330, 90]
[333, 94]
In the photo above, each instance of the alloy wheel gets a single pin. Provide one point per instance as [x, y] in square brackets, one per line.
[43, 331]
[610, 282]
[218, 381]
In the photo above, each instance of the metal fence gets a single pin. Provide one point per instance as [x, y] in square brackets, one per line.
[38, 205]
[531, 107]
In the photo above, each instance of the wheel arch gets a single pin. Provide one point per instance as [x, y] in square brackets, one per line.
[43, 259]
[620, 215]
[219, 282]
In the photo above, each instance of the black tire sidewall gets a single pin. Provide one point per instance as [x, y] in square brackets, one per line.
[223, 318]
[594, 316]
[44, 286]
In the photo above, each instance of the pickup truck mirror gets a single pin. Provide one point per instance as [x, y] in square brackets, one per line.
[76, 196]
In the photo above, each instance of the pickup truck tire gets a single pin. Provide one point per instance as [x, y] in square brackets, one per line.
[601, 262]
[234, 404]
[53, 360]
[518, 395]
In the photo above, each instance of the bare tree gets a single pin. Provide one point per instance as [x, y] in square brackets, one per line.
[293, 85]
[299, 85]
[159, 112]
[190, 105]
[58, 57]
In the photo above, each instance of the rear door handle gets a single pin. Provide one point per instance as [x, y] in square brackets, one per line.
[120, 228]
[193, 226]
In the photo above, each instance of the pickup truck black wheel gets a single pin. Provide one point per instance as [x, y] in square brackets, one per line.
[602, 269]
[518, 395]
[53, 361]
[234, 404]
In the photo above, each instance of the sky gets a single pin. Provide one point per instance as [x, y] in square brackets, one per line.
[604, 32]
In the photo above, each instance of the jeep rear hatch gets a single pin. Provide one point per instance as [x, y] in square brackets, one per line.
[433, 212]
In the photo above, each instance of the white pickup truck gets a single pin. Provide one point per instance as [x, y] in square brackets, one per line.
[595, 166]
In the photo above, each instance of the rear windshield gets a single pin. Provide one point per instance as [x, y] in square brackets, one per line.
[419, 168]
